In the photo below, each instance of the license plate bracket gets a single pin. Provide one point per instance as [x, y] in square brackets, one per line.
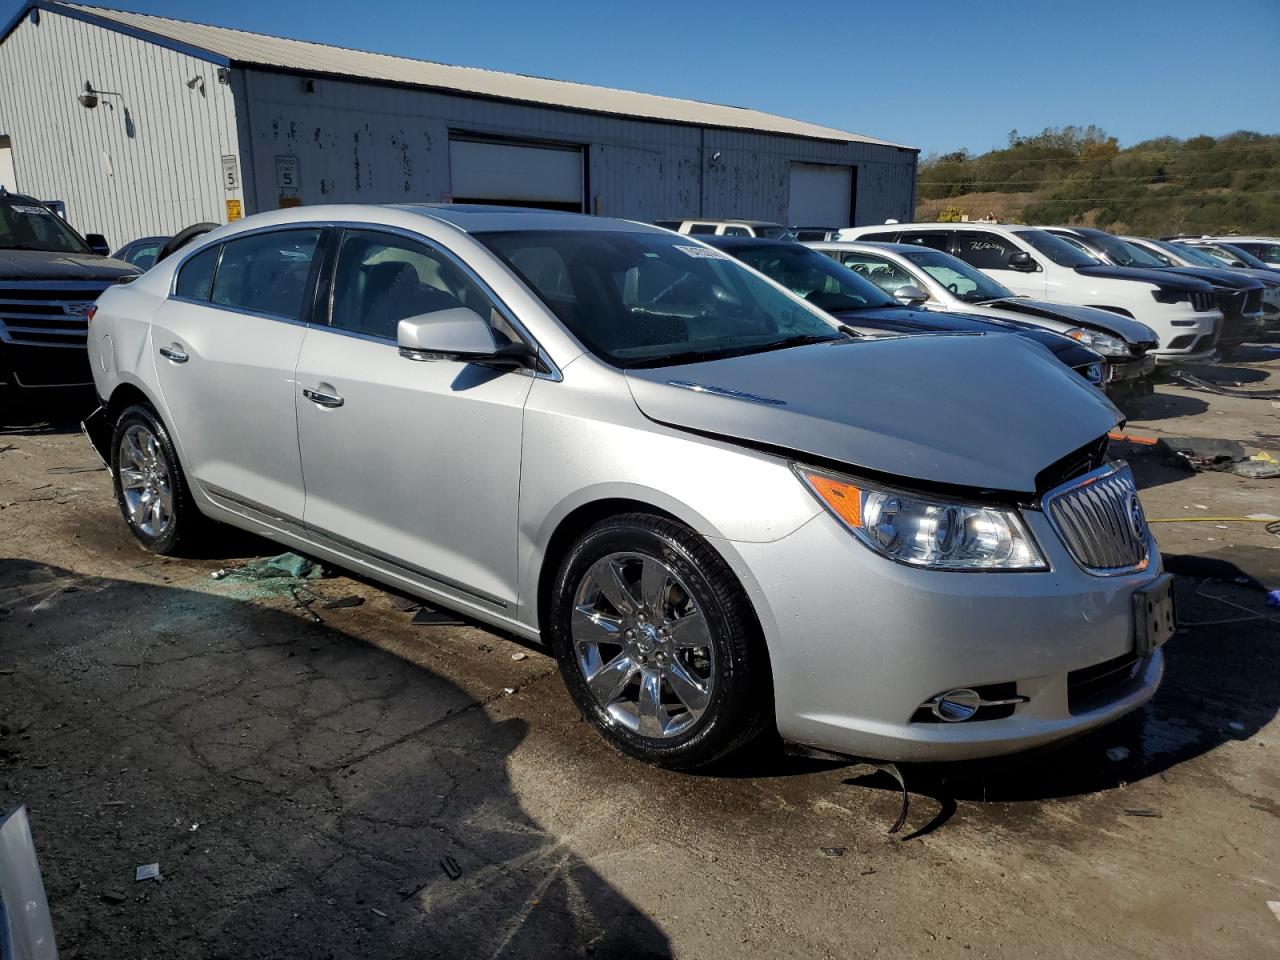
[1154, 616]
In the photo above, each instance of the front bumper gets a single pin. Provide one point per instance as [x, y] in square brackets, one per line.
[1241, 328]
[858, 643]
[1124, 371]
[1185, 333]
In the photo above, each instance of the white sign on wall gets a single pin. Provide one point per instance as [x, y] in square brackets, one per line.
[287, 173]
[230, 173]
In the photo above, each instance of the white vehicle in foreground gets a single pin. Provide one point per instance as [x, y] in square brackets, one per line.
[933, 280]
[1181, 310]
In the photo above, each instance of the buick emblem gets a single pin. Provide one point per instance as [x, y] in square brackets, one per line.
[1137, 521]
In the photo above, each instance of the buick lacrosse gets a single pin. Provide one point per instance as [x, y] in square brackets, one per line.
[722, 510]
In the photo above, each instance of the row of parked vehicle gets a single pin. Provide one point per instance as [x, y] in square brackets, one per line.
[1185, 299]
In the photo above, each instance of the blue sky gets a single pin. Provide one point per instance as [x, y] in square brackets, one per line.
[936, 74]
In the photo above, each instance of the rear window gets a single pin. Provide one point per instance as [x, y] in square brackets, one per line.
[195, 277]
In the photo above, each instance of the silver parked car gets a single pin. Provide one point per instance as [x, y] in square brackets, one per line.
[720, 510]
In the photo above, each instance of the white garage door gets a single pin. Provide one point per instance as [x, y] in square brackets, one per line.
[516, 174]
[821, 195]
[7, 179]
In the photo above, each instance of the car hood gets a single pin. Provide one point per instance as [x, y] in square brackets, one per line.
[1159, 276]
[48, 265]
[906, 320]
[986, 412]
[1225, 277]
[1127, 329]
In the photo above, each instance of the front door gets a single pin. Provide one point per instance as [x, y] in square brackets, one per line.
[417, 463]
[225, 347]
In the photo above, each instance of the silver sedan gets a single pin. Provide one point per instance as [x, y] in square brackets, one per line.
[723, 512]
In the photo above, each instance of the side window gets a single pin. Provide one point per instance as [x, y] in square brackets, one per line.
[884, 274]
[734, 231]
[144, 256]
[986, 251]
[382, 279]
[702, 228]
[195, 278]
[883, 236]
[266, 272]
[933, 239]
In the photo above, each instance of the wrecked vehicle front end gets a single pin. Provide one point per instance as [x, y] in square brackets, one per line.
[980, 579]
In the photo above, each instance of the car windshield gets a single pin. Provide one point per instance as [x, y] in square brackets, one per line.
[25, 225]
[965, 282]
[1244, 256]
[648, 299]
[1191, 255]
[1121, 252]
[817, 278]
[1056, 249]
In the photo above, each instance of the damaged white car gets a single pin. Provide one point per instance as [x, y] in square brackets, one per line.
[722, 510]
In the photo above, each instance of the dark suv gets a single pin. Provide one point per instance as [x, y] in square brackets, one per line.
[49, 278]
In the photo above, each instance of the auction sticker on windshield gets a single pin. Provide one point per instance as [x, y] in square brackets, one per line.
[705, 253]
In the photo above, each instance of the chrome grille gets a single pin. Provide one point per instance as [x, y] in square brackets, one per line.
[47, 313]
[1100, 520]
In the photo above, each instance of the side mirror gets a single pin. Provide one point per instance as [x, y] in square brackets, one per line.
[98, 244]
[1022, 261]
[458, 334]
[909, 295]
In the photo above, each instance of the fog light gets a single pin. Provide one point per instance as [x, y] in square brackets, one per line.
[956, 705]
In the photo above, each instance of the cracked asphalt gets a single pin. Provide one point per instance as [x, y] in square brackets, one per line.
[367, 787]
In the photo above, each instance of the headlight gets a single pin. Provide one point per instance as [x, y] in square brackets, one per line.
[1102, 343]
[929, 532]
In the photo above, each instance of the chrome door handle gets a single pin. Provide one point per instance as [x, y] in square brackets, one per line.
[174, 353]
[323, 399]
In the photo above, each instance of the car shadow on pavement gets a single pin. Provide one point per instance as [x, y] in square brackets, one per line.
[305, 793]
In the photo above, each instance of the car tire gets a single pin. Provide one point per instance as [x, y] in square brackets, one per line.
[658, 644]
[150, 487]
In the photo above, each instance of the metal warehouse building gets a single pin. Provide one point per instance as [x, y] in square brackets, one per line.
[143, 125]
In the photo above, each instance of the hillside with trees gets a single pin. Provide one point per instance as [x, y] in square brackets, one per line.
[1079, 175]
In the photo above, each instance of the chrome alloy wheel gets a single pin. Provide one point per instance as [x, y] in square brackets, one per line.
[643, 645]
[145, 483]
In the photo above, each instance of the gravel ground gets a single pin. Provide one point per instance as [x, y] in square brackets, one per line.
[366, 787]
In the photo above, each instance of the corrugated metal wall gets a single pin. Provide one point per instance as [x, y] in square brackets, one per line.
[146, 162]
[361, 142]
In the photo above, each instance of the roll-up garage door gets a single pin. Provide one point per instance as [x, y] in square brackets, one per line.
[516, 174]
[821, 195]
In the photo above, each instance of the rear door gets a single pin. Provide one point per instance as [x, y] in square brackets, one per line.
[226, 343]
[415, 464]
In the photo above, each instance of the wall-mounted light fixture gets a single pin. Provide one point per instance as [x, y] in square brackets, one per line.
[89, 97]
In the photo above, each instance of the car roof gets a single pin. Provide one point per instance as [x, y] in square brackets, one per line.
[730, 221]
[939, 225]
[480, 218]
[878, 245]
[742, 243]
